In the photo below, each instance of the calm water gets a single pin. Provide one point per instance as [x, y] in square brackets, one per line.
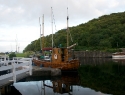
[64, 85]
[53, 88]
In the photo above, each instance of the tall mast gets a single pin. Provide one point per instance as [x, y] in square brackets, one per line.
[18, 48]
[67, 29]
[16, 44]
[40, 35]
[43, 33]
[52, 25]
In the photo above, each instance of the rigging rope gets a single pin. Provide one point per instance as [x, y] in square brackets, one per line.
[55, 26]
[71, 37]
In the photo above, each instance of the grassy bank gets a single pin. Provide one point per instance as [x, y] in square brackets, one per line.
[107, 78]
[20, 55]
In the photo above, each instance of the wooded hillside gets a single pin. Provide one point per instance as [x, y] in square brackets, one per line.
[105, 32]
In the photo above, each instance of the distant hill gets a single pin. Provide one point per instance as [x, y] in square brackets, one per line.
[105, 32]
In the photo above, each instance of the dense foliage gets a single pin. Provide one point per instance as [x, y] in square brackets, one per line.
[11, 55]
[105, 32]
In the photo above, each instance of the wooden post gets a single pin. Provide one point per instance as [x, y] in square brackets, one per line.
[30, 67]
[17, 60]
[5, 59]
[14, 73]
[0, 62]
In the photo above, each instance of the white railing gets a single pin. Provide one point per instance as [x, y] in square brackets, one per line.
[16, 66]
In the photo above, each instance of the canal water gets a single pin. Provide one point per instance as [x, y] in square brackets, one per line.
[67, 84]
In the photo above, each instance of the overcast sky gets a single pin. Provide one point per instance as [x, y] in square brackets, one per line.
[19, 19]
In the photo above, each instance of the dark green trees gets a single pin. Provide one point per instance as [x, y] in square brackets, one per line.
[105, 32]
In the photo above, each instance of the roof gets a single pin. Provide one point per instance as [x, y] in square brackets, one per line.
[47, 48]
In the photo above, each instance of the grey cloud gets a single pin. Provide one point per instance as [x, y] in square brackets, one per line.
[27, 12]
[22, 16]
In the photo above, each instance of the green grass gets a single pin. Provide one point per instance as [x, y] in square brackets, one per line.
[20, 55]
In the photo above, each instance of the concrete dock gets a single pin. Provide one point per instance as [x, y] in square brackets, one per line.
[36, 71]
[45, 71]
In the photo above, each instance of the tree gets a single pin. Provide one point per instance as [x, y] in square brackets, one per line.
[11, 55]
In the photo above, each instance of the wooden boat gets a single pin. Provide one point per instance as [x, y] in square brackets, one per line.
[62, 58]
[118, 55]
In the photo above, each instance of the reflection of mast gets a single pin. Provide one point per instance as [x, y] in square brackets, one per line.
[63, 85]
[44, 87]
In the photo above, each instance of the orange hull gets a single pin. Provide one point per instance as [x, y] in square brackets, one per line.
[69, 65]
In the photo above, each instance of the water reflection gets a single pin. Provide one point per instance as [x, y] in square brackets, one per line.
[71, 85]
[105, 75]
[120, 60]
[66, 85]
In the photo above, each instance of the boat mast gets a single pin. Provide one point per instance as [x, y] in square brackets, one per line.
[16, 44]
[43, 34]
[67, 29]
[52, 25]
[40, 35]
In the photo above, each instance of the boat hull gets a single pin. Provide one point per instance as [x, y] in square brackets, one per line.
[69, 65]
[118, 55]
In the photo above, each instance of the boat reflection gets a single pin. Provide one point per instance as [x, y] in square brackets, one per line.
[66, 85]
[119, 60]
